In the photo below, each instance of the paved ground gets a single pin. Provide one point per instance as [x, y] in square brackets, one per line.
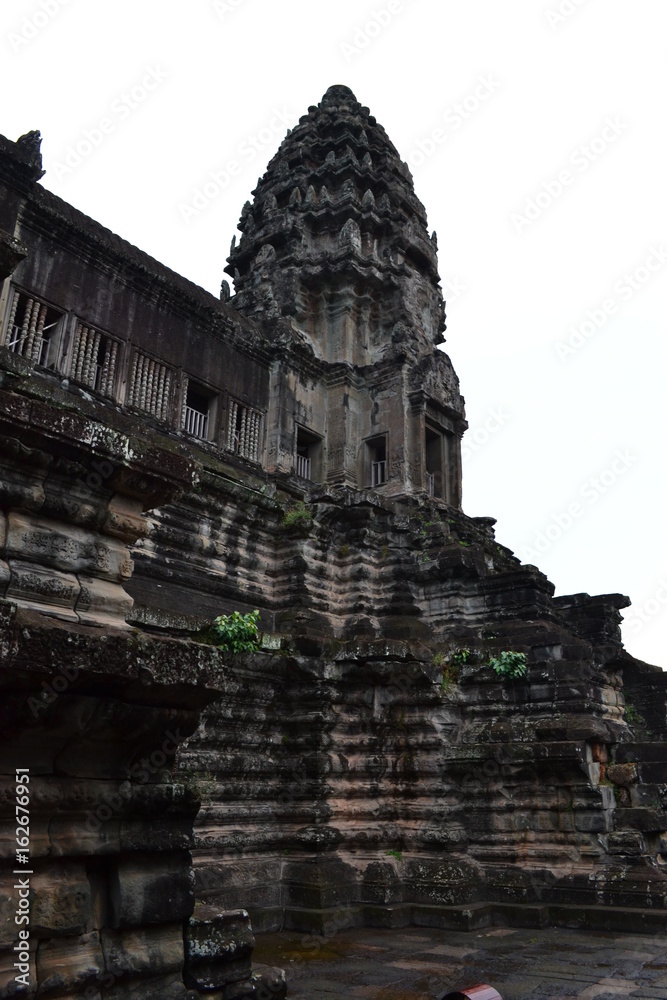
[416, 964]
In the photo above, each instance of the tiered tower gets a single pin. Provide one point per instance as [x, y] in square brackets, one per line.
[336, 262]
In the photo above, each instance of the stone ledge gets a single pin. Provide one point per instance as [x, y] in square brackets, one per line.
[327, 922]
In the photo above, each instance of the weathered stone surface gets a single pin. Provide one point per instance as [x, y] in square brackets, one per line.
[622, 774]
[9, 987]
[51, 591]
[66, 548]
[269, 982]
[129, 953]
[66, 964]
[218, 946]
[12, 252]
[147, 887]
[61, 903]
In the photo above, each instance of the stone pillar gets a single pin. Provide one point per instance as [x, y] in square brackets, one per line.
[416, 465]
[342, 433]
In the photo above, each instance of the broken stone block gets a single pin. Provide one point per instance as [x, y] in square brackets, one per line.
[218, 948]
[270, 982]
[629, 842]
[622, 774]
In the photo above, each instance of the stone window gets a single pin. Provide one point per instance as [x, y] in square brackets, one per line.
[151, 385]
[198, 417]
[376, 460]
[244, 426]
[94, 360]
[33, 329]
[308, 458]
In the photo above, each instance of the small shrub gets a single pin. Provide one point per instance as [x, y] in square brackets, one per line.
[395, 854]
[343, 550]
[509, 665]
[238, 633]
[297, 517]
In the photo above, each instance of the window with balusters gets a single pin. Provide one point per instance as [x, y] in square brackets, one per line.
[94, 359]
[151, 386]
[244, 426]
[33, 329]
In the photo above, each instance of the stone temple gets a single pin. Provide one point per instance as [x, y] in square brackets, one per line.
[166, 457]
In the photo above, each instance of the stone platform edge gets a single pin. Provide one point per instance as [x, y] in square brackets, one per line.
[325, 923]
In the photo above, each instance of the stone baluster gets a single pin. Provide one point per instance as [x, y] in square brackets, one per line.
[40, 316]
[12, 315]
[28, 329]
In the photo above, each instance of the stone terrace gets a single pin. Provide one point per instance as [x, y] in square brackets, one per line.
[421, 964]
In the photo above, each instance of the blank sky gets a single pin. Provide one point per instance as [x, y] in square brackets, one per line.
[535, 134]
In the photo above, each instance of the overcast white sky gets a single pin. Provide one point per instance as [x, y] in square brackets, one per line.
[535, 130]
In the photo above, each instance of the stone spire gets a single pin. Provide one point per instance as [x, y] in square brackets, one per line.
[336, 240]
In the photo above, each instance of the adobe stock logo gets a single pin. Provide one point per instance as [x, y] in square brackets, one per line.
[365, 33]
[119, 111]
[559, 14]
[222, 7]
[452, 119]
[32, 24]
[640, 615]
[217, 181]
[581, 159]
[624, 289]
[478, 436]
[589, 493]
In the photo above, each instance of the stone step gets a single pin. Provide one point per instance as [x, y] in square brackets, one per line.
[641, 818]
[474, 916]
[631, 752]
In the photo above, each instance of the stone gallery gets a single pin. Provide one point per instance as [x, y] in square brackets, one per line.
[421, 735]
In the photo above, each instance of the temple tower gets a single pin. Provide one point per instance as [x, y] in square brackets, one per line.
[336, 265]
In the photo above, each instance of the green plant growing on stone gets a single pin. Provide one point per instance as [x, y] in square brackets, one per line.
[238, 633]
[460, 657]
[395, 854]
[297, 517]
[450, 675]
[509, 665]
[451, 665]
[198, 783]
[633, 717]
[343, 550]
